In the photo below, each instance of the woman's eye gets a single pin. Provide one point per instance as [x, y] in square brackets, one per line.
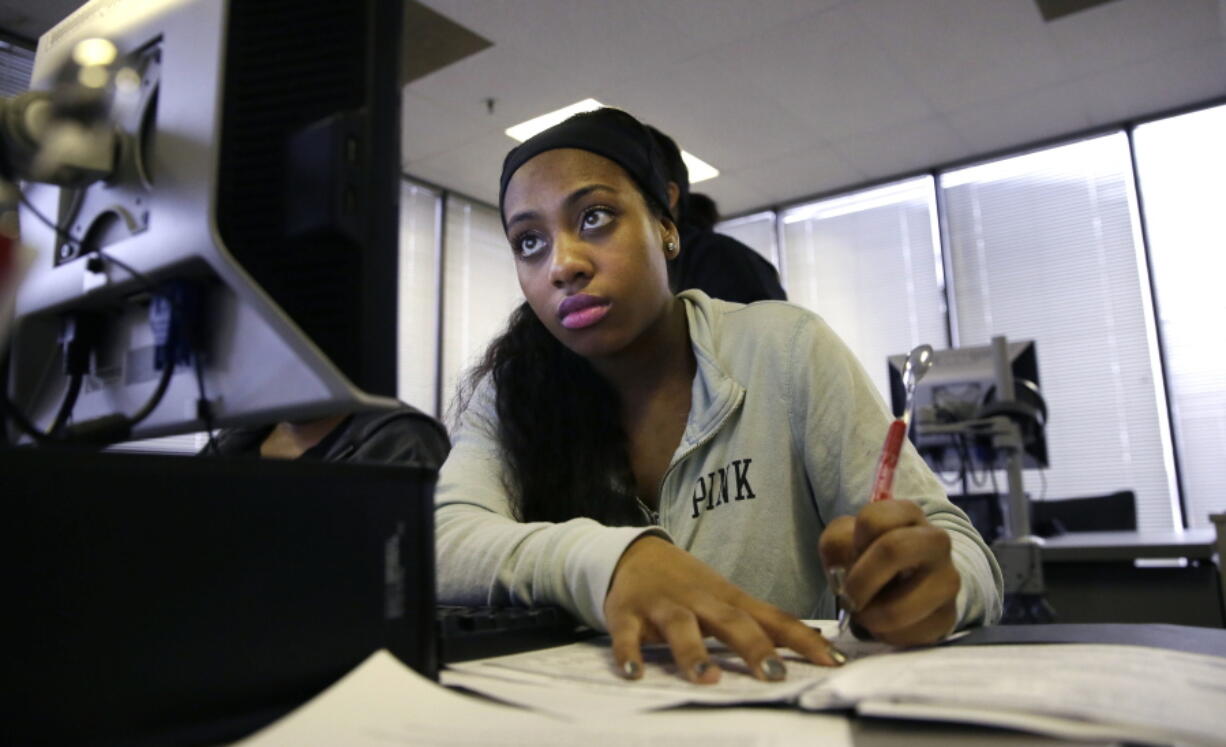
[529, 245]
[596, 218]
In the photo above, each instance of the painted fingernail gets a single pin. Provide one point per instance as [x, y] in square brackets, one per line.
[836, 577]
[632, 670]
[839, 657]
[773, 670]
[700, 669]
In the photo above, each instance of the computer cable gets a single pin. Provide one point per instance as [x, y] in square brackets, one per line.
[70, 400]
[118, 425]
[154, 399]
[11, 412]
[77, 339]
[954, 482]
[108, 428]
[965, 467]
[204, 410]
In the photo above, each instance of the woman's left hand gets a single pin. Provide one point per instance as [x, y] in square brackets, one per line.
[900, 583]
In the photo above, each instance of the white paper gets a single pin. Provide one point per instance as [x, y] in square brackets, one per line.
[1131, 691]
[588, 668]
[1052, 726]
[383, 703]
[572, 680]
[1079, 691]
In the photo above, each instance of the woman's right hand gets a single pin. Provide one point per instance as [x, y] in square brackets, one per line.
[662, 594]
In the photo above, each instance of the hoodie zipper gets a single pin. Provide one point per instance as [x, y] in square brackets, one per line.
[710, 434]
[653, 517]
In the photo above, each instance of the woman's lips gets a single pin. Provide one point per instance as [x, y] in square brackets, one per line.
[582, 310]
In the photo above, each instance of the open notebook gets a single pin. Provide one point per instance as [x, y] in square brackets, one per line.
[1151, 683]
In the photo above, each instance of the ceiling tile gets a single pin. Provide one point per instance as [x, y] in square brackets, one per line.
[711, 23]
[1171, 80]
[521, 87]
[792, 98]
[429, 127]
[471, 168]
[913, 147]
[588, 39]
[827, 70]
[1021, 119]
[711, 111]
[798, 175]
[732, 195]
[960, 52]
[1127, 31]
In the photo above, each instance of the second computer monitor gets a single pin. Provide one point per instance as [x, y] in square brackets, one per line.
[961, 387]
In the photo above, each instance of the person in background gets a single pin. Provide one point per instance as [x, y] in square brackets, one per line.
[718, 265]
[670, 467]
[702, 213]
[404, 436]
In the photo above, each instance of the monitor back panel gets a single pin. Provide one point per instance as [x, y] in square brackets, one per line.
[173, 595]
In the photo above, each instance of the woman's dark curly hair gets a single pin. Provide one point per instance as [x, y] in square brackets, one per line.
[559, 428]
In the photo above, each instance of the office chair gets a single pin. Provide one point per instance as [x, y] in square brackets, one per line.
[1114, 512]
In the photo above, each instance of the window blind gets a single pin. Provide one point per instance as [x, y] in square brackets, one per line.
[16, 66]
[1181, 163]
[417, 330]
[867, 262]
[755, 231]
[1046, 246]
[480, 287]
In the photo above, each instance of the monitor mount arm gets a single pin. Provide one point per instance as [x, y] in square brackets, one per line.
[1019, 552]
[63, 136]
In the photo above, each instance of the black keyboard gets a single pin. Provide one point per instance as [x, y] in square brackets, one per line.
[477, 632]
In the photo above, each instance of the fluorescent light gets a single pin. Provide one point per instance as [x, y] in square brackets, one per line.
[751, 218]
[908, 190]
[699, 169]
[1059, 163]
[525, 130]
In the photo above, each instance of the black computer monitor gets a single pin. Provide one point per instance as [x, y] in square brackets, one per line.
[960, 387]
[162, 599]
[253, 203]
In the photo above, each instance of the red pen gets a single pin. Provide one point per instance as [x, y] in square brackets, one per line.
[917, 364]
[883, 485]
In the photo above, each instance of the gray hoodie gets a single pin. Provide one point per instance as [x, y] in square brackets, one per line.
[784, 433]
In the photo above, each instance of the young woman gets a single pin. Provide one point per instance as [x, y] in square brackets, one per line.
[666, 467]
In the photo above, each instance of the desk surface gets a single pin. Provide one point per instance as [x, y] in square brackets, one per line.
[1099, 546]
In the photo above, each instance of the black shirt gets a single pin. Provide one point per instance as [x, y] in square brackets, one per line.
[404, 436]
[724, 268]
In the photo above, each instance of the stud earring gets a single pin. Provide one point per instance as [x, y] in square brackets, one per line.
[671, 248]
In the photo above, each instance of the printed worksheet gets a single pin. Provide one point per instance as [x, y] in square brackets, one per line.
[1124, 692]
[572, 679]
[383, 703]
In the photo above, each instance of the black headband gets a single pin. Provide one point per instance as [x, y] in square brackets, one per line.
[611, 133]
